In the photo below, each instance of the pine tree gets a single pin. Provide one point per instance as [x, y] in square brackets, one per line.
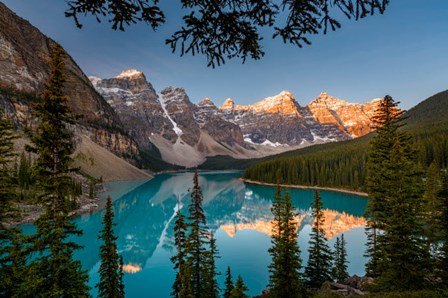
[340, 272]
[394, 185]
[200, 251]
[405, 261]
[284, 275]
[318, 269]
[387, 121]
[12, 255]
[210, 284]
[111, 273]
[239, 289]
[53, 271]
[228, 283]
[7, 184]
[180, 285]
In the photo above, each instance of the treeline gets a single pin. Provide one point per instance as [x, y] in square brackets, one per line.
[342, 164]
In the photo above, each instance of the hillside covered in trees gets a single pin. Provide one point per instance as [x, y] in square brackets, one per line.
[342, 164]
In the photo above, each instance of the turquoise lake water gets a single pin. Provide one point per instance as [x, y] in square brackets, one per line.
[236, 212]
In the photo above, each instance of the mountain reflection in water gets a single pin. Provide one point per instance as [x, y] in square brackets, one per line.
[239, 214]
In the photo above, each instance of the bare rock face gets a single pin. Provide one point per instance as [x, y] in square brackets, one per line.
[278, 120]
[208, 118]
[180, 110]
[138, 106]
[24, 57]
[352, 118]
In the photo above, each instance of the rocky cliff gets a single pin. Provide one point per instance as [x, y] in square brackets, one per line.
[24, 58]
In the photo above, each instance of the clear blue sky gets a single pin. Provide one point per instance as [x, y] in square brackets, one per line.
[403, 53]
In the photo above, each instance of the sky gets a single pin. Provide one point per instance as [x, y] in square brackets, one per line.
[403, 53]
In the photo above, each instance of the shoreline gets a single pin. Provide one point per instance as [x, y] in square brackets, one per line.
[352, 192]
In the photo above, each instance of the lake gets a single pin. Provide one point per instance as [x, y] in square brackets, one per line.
[239, 215]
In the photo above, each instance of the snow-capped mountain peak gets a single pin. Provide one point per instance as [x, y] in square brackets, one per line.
[129, 73]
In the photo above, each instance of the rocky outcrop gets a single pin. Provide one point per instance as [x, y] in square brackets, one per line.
[138, 106]
[208, 118]
[180, 111]
[353, 118]
[24, 57]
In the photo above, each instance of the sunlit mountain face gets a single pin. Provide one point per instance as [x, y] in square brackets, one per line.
[238, 214]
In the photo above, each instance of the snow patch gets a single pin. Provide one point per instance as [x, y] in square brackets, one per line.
[316, 138]
[247, 139]
[128, 73]
[176, 129]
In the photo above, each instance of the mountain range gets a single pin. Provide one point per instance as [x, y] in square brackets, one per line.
[126, 120]
[186, 134]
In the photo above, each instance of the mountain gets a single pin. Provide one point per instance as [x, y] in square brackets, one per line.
[24, 56]
[187, 134]
[342, 164]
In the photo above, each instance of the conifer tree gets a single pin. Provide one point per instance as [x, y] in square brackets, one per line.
[12, 255]
[340, 272]
[53, 271]
[318, 269]
[284, 275]
[210, 284]
[198, 249]
[111, 273]
[180, 285]
[7, 184]
[239, 289]
[387, 122]
[394, 186]
[228, 283]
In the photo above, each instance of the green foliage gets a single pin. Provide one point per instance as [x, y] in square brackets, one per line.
[394, 185]
[12, 261]
[228, 283]
[111, 273]
[181, 286]
[318, 269]
[53, 272]
[24, 172]
[196, 251]
[225, 30]
[240, 288]
[7, 182]
[284, 277]
[340, 272]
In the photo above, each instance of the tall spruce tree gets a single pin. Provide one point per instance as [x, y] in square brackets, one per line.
[240, 289]
[340, 272]
[394, 185]
[8, 185]
[12, 254]
[318, 269]
[387, 122]
[210, 284]
[198, 244]
[284, 271]
[181, 286]
[228, 283]
[111, 273]
[53, 271]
